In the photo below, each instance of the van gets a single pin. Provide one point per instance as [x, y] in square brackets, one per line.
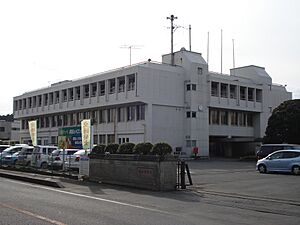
[40, 154]
[267, 149]
[24, 157]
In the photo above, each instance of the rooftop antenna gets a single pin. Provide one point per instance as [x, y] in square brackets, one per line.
[130, 47]
[233, 57]
[221, 51]
[172, 18]
[207, 58]
[190, 37]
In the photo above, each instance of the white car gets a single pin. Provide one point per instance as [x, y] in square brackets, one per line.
[40, 156]
[73, 162]
[57, 158]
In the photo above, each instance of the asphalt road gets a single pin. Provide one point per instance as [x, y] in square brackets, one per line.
[223, 193]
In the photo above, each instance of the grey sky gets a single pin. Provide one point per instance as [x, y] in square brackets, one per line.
[43, 42]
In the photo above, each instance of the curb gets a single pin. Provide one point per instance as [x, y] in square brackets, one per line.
[37, 180]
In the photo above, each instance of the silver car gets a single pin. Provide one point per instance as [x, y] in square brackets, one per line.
[280, 161]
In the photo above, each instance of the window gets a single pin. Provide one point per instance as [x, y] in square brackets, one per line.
[86, 91]
[250, 94]
[215, 89]
[232, 91]
[214, 116]
[131, 82]
[121, 84]
[30, 102]
[110, 115]
[94, 117]
[102, 139]
[94, 89]
[2, 129]
[190, 114]
[140, 112]
[199, 71]
[234, 118]
[243, 93]
[224, 117]
[102, 88]
[224, 90]
[47, 122]
[110, 138]
[242, 119]
[131, 113]
[112, 86]
[249, 120]
[53, 121]
[191, 87]
[39, 99]
[56, 97]
[71, 94]
[34, 100]
[24, 103]
[51, 99]
[65, 120]
[121, 114]
[191, 143]
[102, 116]
[59, 120]
[95, 139]
[64, 94]
[258, 95]
[77, 93]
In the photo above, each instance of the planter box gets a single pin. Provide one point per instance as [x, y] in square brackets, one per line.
[147, 172]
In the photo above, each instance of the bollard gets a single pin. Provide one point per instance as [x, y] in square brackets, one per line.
[182, 174]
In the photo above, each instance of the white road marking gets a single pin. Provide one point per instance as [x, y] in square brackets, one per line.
[32, 214]
[92, 197]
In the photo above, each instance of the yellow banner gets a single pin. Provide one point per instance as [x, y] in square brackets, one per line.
[33, 131]
[86, 133]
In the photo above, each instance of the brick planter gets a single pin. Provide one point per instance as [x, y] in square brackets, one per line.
[147, 172]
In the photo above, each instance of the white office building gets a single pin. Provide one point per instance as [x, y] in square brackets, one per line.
[183, 104]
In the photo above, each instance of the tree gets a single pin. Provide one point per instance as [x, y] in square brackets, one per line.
[284, 124]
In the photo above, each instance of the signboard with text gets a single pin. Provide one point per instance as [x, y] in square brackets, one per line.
[70, 137]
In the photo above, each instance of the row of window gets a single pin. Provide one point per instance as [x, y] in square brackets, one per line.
[75, 93]
[233, 118]
[231, 91]
[120, 114]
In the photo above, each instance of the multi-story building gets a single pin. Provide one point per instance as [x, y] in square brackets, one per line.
[183, 104]
[10, 131]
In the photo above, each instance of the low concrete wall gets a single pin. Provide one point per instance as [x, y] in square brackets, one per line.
[152, 173]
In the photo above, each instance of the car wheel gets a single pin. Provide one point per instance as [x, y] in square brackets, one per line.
[262, 168]
[296, 170]
[28, 163]
[44, 165]
[15, 162]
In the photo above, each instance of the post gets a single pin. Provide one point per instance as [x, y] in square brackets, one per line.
[190, 37]
[172, 17]
[182, 175]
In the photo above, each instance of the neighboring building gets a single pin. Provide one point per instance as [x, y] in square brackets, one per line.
[10, 131]
[184, 105]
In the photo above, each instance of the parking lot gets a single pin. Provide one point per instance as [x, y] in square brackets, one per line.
[241, 179]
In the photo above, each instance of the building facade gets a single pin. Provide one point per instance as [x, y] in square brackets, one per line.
[10, 131]
[183, 104]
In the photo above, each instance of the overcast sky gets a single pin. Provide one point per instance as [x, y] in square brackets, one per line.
[42, 42]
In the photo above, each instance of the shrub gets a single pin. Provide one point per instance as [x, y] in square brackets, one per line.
[126, 148]
[98, 149]
[143, 148]
[161, 149]
[112, 148]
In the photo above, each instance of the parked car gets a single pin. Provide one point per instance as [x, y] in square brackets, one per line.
[9, 151]
[57, 157]
[280, 161]
[3, 147]
[10, 160]
[24, 157]
[73, 163]
[40, 154]
[267, 149]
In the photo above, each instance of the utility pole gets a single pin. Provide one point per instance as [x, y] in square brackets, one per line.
[172, 18]
[190, 37]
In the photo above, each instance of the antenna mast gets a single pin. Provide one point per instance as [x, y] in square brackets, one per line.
[172, 18]
[221, 51]
[190, 37]
[130, 47]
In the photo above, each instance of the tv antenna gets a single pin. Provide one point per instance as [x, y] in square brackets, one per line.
[130, 47]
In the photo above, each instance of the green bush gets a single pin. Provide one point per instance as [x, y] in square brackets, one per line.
[143, 148]
[112, 148]
[161, 149]
[126, 148]
[98, 149]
